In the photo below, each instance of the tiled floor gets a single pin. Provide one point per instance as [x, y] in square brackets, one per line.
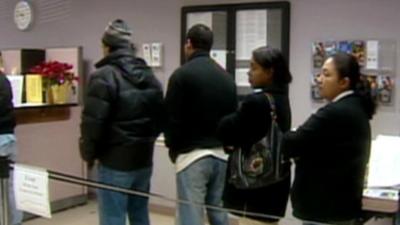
[87, 215]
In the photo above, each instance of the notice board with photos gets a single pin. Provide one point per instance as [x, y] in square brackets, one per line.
[377, 60]
[238, 30]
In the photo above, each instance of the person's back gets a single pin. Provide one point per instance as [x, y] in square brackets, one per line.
[136, 111]
[121, 120]
[209, 94]
[199, 94]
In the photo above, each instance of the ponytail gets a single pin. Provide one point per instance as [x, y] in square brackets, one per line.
[347, 66]
[363, 90]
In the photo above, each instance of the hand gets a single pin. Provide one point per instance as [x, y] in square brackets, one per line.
[229, 149]
[90, 164]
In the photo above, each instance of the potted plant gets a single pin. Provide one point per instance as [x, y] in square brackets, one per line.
[57, 80]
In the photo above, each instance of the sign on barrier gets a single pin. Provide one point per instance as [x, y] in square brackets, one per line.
[31, 188]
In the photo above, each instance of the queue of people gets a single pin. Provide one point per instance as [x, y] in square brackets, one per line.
[204, 123]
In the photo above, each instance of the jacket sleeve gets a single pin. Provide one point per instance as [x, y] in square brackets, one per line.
[5, 92]
[243, 126]
[174, 102]
[297, 143]
[96, 110]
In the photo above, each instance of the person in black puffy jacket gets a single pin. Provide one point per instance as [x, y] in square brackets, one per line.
[121, 120]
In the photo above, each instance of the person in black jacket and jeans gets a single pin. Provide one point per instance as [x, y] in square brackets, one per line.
[121, 120]
[199, 94]
[269, 73]
[332, 147]
[8, 145]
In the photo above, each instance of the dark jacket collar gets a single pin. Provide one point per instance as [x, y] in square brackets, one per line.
[198, 53]
[277, 88]
[115, 56]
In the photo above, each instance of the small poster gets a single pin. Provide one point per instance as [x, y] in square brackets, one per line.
[385, 89]
[219, 56]
[315, 92]
[330, 48]
[242, 78]
[34, 88]
[251, 32]
[372, 55]
[31, 188]
[358, 51]
[17, 84]
[199, 18]
[381, 87]
[319, 54]
[345, 46]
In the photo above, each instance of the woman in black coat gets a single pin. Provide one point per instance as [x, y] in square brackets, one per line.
[269, 73]
[332, 147]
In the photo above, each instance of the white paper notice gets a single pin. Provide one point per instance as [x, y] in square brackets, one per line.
[147, 53]
[384, 163]
[199, 18]
[17, 84]
[31, 188]
[251, 32]
[219, 56]
[372, 54]
[241, 77]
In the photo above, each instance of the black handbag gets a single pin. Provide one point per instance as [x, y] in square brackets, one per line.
[263, 164]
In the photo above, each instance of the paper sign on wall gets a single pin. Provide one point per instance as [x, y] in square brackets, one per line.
[251, 32]
[33, 87]
[241, 77]
[152, 54]
[372, 54]
[31, 188]
[17, 84]
[219, 56]
[199, 18]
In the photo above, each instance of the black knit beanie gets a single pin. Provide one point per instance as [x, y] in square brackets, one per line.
[117, 34]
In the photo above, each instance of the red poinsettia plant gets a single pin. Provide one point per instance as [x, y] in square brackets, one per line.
[55, 72]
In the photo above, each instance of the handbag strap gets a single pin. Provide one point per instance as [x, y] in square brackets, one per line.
[272, 105]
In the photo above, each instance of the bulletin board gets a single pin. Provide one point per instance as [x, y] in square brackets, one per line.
[238, 30]
[377, 60]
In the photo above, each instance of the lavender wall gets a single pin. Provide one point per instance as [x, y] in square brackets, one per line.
[329, 20]
[54, 145]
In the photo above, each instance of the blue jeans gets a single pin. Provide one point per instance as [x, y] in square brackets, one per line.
[8, 147]
[113, 206]
[202, 182]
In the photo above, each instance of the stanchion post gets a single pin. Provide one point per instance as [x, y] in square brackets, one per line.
[4, 176]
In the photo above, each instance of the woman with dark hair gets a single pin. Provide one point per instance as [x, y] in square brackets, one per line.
[269, 73]
[332, 147]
